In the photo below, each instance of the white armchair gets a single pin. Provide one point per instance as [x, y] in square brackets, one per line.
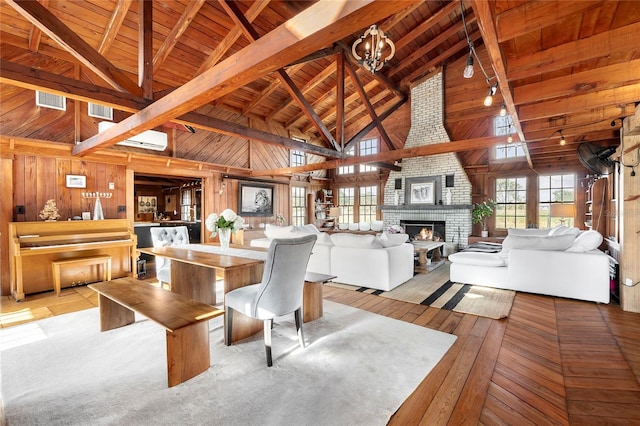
[163, 236]
[280, 291]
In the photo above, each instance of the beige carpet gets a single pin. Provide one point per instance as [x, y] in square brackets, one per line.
[434, 289]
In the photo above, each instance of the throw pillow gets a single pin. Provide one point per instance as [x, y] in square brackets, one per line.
[306, 229]
[571, 231]
[531, 232]
[356, 241]
[557, 242]
[586, 241]
[391, 240]
[324, 238]
[557, 230]
[274, 231]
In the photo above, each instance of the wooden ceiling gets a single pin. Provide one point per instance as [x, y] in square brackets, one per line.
[266, 71]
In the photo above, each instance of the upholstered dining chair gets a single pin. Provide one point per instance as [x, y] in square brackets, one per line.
[162, 236]
[280, 291]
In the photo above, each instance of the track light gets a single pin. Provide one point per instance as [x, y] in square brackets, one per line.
[468, 70]
[492, 91]
[503, 110]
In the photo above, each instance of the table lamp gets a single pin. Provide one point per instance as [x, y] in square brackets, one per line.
[562, 211]
[335, 212]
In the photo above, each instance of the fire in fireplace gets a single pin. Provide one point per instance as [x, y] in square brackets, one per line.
[424, 230]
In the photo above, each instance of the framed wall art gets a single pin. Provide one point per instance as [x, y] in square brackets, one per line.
[423, 190]
[255, 199]
[76, 181]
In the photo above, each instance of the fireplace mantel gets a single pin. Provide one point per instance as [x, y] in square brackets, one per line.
[405, 207]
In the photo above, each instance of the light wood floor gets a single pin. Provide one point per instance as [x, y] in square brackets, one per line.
[553, 361]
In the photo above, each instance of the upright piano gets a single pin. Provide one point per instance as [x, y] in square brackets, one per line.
[33, 245]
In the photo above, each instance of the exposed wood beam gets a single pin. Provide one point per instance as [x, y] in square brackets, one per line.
[340, 99]
[592, 116]
[580, 103]
[486, 23]
[145, 48]
[49, 24]
[217, 125]
[235, 33]
[33, 79]
[314, 82]
[624, 39]
[609, 77]
[273, 86]
[367, 104]
[324, 22]
[190, 12]
[320, 54]
[252, 35]
[444, 147]
[113, 27]
[374, 123]
[35, 35]
[383, 165]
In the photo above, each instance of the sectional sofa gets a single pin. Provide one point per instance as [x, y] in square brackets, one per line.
[382, 261]
[562, 262]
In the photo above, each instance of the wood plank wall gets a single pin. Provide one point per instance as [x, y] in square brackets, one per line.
[38, 179]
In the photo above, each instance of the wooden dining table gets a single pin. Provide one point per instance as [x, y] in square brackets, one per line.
[194, 273]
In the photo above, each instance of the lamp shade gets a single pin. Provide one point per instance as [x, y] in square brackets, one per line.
[335, 211]
[562, 210]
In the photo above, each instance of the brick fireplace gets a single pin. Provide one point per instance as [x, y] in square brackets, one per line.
[427, 128]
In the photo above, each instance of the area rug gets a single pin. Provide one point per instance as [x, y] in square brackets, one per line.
[357, 369]
[436, 290]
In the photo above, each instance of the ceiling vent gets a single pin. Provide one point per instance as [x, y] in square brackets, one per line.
[100, 111]
[49, 100]
[149, 139]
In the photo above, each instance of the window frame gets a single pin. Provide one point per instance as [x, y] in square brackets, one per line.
[515, 220]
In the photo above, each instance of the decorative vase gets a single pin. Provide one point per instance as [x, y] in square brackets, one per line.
[225, 238]
[484, 234]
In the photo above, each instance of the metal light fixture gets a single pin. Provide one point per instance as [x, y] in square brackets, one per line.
[468, 70]
[563, 141]
[492, 91]
[503, 110]
[372, 57]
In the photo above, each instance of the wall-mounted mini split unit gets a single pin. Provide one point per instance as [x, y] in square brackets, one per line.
[149, 139]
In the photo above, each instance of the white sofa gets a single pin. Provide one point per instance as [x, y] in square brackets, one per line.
[563, 263]
[381, 261]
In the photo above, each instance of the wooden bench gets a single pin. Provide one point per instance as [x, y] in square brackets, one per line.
[103, 260]
[184, 319]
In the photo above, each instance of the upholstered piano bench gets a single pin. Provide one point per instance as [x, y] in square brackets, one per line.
[103, 260]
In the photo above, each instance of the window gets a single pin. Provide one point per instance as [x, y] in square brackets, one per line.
[347, 170]
[364, 147]
[368, 203]
[298, 158]
[511, 199]
[346, 200]
[368, 147]
[555, 189]
[185, 207]
[298, 207]
[503, 126]
[511, 150]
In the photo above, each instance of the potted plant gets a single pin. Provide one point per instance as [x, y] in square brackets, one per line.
[480, 212]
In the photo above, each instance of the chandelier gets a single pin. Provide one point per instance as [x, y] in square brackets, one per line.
[372, 56]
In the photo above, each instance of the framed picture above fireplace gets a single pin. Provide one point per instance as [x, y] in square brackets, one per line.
[423, 190]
